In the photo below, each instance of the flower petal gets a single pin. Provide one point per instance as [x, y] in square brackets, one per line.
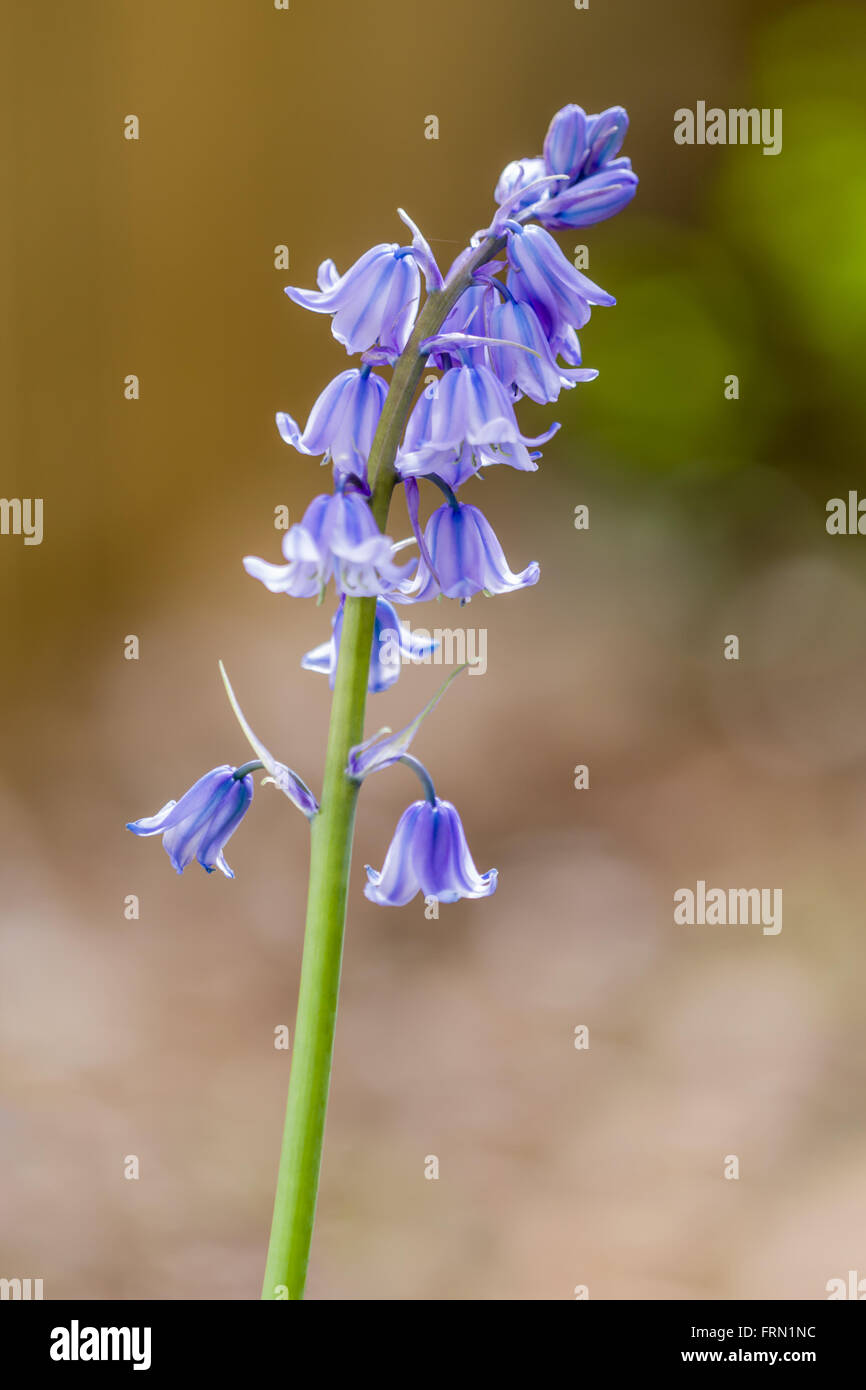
[397, 882]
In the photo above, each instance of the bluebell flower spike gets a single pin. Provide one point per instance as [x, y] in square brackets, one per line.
[511, 331]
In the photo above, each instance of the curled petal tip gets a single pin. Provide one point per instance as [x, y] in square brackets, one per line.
[423, 254]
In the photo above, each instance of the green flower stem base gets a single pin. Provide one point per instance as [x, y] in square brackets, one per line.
[331, 847]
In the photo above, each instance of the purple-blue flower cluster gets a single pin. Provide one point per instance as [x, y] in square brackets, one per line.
[578, 180]
[512, 307]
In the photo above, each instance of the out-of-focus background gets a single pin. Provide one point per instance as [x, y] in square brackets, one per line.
[154, 1037]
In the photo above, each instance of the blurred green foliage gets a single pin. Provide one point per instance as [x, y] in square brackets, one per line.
[768, 283]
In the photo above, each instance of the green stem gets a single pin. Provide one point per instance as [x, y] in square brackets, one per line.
[331, 847]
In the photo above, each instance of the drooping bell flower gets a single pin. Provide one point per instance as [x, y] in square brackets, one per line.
[337, 537]
[373, 303]
[342, 422]
[521, 356]
[391, 646]
[428, 854]
[542, 276]
[592, 199]
[462, 423]
[202, 822]
[466, 556]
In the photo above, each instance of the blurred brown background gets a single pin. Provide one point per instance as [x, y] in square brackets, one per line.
[558, 1167]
